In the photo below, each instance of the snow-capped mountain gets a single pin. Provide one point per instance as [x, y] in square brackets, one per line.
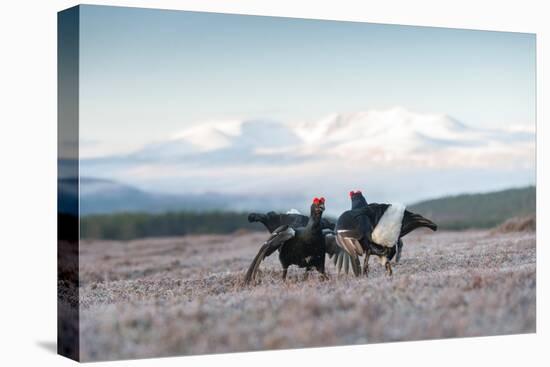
[394, 136]
[392, 129]
[375, 150]
[399, 136]
[231, 141]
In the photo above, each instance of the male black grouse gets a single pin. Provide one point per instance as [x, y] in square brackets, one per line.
[273, 220]
[303, 246]
[358, 201]
[376, 229]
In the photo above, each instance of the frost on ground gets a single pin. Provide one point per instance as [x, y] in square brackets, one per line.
[172, 296]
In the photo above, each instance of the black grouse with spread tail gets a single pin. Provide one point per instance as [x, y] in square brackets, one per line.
[302, 246]
[273, 220]
[376, 229]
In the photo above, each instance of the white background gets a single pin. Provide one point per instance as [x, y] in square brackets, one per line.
[28, 149]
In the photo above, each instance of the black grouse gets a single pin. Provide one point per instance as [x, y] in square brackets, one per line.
[303, 246]
[273, 220]
[358, 201]
[376, 229]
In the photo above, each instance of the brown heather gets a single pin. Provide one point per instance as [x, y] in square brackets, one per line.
[518, 224]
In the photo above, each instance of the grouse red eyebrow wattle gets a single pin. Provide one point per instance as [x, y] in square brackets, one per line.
[316, 201]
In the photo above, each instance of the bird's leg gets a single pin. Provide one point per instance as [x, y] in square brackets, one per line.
[321, 269]
[366, 265]
[389, 271]
[284, 273]
[306, 275]
[399, 247]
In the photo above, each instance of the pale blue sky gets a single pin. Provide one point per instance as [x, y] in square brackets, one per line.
[146, 74]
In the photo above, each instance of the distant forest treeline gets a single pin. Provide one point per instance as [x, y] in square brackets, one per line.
[126, 226]
[454, 212]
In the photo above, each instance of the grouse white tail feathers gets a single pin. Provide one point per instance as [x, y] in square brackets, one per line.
[388, 229]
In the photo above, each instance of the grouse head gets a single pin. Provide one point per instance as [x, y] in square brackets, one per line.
[357, 199]
[318, 206]
[356, 193]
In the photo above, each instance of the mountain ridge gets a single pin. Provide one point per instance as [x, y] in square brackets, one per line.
[397, 133]
[478, 210]
[469, 210]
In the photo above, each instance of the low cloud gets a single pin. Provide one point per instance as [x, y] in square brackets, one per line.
[336, 151]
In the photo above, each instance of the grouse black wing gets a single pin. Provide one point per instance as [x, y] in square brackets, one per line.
[352, 228]
[327, 224]
[375, 211]
[339, 256]
[273, 220]
[274, 242]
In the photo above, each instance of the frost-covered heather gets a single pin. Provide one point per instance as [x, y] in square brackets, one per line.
[172, 296]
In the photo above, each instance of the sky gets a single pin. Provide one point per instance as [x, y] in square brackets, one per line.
[147, 75]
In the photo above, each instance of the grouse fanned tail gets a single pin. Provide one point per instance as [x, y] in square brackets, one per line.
[412, 221]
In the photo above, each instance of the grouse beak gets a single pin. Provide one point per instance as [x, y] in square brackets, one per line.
[321, 207]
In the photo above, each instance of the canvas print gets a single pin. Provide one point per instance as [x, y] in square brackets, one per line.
[234, 183]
